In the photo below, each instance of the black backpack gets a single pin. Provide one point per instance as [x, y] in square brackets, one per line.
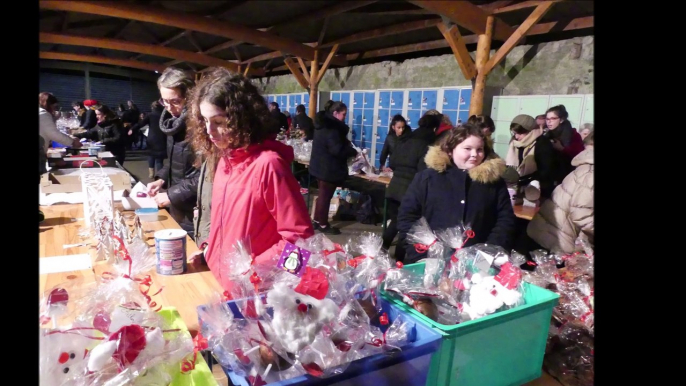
[366, 211]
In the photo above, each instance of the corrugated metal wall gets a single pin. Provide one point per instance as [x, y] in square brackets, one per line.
[67, 88]
[112, 92]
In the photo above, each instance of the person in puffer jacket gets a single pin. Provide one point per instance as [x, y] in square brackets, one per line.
[462, 186]
[568, 215]
[179, 176]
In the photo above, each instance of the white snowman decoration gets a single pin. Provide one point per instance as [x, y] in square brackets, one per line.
[63, 353]
[128, 344]
[301, 312]
[488, 293]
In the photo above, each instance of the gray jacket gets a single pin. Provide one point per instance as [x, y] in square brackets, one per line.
[201, 220]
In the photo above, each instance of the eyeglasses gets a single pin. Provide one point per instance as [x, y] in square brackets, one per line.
[552, 119]
[172, 102]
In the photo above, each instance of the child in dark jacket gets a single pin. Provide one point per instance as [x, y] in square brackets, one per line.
[462, 185]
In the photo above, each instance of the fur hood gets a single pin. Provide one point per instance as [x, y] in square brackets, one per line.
[489, 171]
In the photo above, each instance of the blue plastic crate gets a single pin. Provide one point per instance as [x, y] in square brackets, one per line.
[409, 367]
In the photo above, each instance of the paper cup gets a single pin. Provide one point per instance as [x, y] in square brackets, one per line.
[513, 194]
[533, 191]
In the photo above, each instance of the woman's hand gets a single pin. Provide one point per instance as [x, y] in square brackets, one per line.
[155, 187]
[162, 200]
[196, 259]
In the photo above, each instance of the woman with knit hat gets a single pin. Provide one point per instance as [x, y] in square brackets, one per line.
[531, 155]
[91, 120]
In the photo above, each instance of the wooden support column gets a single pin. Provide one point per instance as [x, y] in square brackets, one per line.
[483, 49]
[314, 84]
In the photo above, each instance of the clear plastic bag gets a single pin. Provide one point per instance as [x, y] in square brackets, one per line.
[569, 357]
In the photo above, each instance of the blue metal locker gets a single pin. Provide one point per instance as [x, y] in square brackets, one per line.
[384, 99]
[369, 100]
[414, 100]
[358, 100]
[384, 119]
[451, 99]
[429, 99]
[335, 96]
[462, 116]
[413, 118]
[271, 98]
[345, 98]
[396, 100]
[465, 98]
[357, 134]
[452, 114]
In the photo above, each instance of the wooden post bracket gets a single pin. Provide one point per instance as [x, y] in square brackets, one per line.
[457, 44]
[322, 70]
[304, 83]
[518, 34]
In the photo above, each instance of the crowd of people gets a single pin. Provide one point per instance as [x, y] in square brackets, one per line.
[227, 177]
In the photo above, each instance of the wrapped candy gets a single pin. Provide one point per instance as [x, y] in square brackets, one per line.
[425, 240]
[569, 357]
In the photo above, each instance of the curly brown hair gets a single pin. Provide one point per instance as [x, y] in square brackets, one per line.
[458, 134]
[247, 117]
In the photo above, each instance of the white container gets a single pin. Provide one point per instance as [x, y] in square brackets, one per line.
[148, 214]
[170, 247]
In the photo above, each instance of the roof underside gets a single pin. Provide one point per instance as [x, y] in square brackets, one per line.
[304, 24]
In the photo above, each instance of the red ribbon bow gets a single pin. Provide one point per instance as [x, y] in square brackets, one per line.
[144, 284]
[199, 344]
[337, 248]
[468, 234]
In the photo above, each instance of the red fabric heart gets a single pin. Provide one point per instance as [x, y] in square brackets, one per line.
[509, 276]
[101, 322]
[130, 342]
[58, 296]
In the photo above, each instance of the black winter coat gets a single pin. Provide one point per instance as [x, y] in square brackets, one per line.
[447, 196]
[91, 119]
[331, 150]
[157, 140]
[408, 157]
[110, 133]
[390, 144]
[306, 124]
[180, 179]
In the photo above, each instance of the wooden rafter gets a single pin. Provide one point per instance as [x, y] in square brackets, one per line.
[519, 34]
[100, 59]
[247, 70]
[384, 31]
[179, 20]
[325, 66]
[518, 6]
[457, 44]
[490, 7]
[123, 45]
[323, 31]
[467, 15]
[326, 11]
[304, 83]
[303, 67]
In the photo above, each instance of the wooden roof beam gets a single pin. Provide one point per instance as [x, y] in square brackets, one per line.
[538, 29]
[384, 31]
[518, 35]
[467, 15]
[157, 15]
[302, 81]
[149, 49]
[459, 47]
[518, 6]
[100, 59]
[329, 10]
[321, 71]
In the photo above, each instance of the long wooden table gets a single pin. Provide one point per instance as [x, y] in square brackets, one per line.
[185, 292]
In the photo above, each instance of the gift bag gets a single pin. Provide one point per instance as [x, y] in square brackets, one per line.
[98, 196]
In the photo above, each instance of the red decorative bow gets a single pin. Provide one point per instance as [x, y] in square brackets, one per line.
[144, 283]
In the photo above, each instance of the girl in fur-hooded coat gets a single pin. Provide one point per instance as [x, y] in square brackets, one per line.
[451, 193]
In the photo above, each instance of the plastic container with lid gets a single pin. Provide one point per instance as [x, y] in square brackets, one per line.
[147, 214]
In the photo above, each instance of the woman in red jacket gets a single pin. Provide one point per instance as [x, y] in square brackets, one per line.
[254, 193]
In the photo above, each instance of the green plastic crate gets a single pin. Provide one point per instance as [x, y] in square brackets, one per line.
[502, 349]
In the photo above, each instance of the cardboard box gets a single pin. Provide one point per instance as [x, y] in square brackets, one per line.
[333, 207]
[105, 159]
[69, 181]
